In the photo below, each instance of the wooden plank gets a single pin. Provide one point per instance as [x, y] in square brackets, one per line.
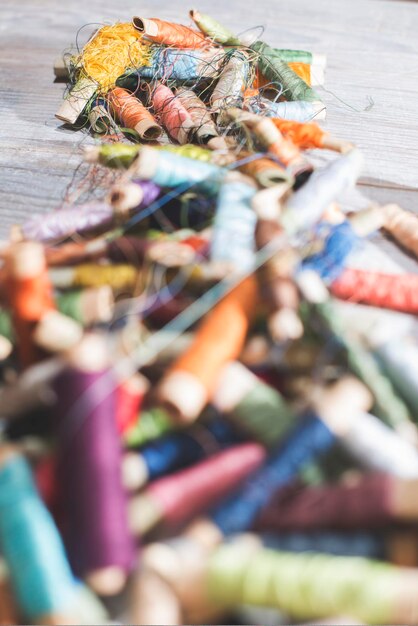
[371, 88]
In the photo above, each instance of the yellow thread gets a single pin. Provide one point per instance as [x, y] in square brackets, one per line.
[117, 276]
[111, 51]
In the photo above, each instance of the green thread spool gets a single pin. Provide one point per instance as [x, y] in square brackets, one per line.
[305, 586]
[190, 151]
[253, 405]
[114, 155]
[213, 29]
[87, 306]
[150, 425]
[276, 70]
[389, 407]
[6, 328]
[294, 56]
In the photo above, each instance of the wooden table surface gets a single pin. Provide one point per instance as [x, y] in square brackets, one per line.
[371, 88]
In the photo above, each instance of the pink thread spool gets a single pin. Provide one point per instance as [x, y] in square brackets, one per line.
[172, 114]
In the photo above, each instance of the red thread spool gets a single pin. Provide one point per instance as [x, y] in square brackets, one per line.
[364, 503]
[170, 34]
[173, 115]
[133, 114]
[391, 291]
[179, 497]
[129, 396]
[29, 295]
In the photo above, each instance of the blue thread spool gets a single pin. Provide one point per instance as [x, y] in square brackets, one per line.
[234, 224]
[180, 65]
[308, 439]
[32, 546]
[297, 111]
[181, 449]
[170, 170]
[339, 243]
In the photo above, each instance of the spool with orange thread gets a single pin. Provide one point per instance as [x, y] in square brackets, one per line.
[190, 381]
[265, 171]
[173, 115]
[170, 34]
[303, 70]
[310, 135]
[29, 296]
[133, 114]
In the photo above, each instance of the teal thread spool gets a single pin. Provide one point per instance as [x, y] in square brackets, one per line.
[276, 70]
[32, 546]
[307, 586]
[234, 224]
[170, 170]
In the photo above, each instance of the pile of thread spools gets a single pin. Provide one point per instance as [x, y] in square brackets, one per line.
[209, 385]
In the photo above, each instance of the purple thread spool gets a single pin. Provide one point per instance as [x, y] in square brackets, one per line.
[99, 543]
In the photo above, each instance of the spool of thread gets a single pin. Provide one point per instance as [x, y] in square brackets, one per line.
[306, 206]
[77, 100]
[118, 277]
[232, 82]
[29, 296]
[98, 540]
[177, 450]
[355, 544]
[153, 424]
[181, 65]
[114, 155]
[132, 114]
[308, 136]
[392, 291]
[59, 225]
[56, 333]
[234, 223]
[100, 120]
[169, 170]
[134, 196]
[297, 111]
[275, 69]
[402, 226]
[366, 437]
[32, 547]
[130, 394]
[219, 339]
[307, 440]
[179, 497]
[307, 586]
[373, 500]
[213, 29]
[6, 335]
[205, 129]
[339, 241]
[173, 115]
[87, 306]
[265, 171]
[169, 34]
[143, 608]
[386, 402]
[253, 406]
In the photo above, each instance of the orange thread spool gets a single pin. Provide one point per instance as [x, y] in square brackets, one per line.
[133, 114]
[391, 291]
[403, 226]
[303, 70]
[219, 339]
[263, 170]
[303, 135]
[29, 295]
[170, 34]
